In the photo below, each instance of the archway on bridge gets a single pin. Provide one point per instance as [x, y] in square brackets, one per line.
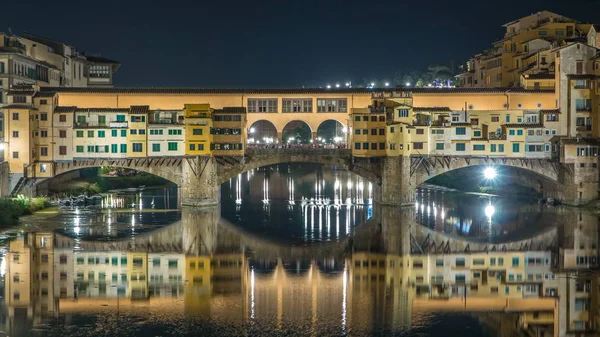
[297, 132]
[262, 132]
[332, 131]
[111, 187]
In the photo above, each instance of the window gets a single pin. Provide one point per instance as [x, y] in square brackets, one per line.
[192, 147]
[582, 304]
[478, 147]
[141, 131]
[297, 105]
[507, 118]
[172, 146]
[19, 99]
[15, 134]
[137, 147]
[382, 146]
[515, 147]
[460, 146]
[114, 148]
[90, 133]
[460, 261]
[477, 134]
[402, 113]
[62, 133]
[500, 147]
[123, 148]
[579, 67]
[62, 150]
[15, 154]
[133, 132]
[44, 116]
[44, 134]
[461, 131]
[44, 151]
[519, 132]
[99, 71]
[262, 105]
[79, 148]
[382, 132]
[495, 119]
[15, 116]
[123, 133]
[515, 261]
[492, 147]
[418, 145]
[113, 133]
[474, 121]
[138, 119]
[439, 146]
[492, 261]
[419, 131]
[478, 262]
[155, 147]
[101, 134]
[331, 105]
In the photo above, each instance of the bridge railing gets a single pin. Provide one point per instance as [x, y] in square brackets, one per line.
[298, 151]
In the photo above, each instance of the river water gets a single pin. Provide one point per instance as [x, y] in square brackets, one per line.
[293, 250]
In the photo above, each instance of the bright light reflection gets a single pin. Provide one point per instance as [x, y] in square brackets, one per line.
[489, 210]
[490, 173]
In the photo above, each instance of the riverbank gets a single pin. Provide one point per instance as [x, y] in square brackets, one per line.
[103, 184]
[12, 209]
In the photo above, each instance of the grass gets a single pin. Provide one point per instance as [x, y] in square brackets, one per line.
[13, 208]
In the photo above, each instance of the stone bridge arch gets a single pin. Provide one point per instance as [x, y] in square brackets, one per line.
[364, 167]
[167, 168]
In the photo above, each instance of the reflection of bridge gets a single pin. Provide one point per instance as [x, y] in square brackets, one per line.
[395, 177]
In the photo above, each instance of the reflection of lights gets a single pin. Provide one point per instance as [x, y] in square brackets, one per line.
[489, 210]
[489, 173]
[344, 289]
[252, 294]
[3, 266]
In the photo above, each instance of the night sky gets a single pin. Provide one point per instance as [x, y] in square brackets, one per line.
[275, 43]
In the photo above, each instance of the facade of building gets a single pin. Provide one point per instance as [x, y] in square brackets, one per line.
[526, 50]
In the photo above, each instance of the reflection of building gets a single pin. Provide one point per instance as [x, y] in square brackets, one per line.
[368, 290]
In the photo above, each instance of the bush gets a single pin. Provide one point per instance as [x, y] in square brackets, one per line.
[11, 210]
[94, 188]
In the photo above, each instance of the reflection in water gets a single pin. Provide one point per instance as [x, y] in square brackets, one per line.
[301, 202]
[481, 218]
[202, 276]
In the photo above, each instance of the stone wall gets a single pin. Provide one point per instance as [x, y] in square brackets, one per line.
[4, 179]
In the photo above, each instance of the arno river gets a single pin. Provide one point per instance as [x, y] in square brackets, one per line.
[300, 250]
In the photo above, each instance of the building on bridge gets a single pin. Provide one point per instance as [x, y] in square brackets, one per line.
[63, 126]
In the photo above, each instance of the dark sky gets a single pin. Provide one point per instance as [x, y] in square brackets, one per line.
[220, 43]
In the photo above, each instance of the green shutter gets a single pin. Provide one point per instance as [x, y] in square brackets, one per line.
[113, 133]
[123, 148]
[79, 148]
[123, 133]
[90, 133]
[101, 133]
[113, 148]
[79, 134]
[155, 147]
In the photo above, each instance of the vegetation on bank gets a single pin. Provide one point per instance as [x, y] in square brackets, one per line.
[13, 208]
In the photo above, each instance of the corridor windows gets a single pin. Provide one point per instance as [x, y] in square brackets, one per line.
[297, 105]
[262, 105]
[332, 105]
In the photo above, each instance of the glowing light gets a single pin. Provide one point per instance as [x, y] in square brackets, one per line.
[328, 86]
[372, 84]
[252, 130]
[344, 129]
[490, 173]
[347, 84]
[408, 84]
[387, 84]
[489, 210]
[337, 85]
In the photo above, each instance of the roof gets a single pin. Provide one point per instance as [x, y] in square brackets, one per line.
[99, 59]
[231, 109]
[550, 111]
[20, 92]
[524, 125]
[432, 109]
[44, 94]
[539, 76]
[177, 91]
[123, 110]
[62, 109]
[580, 141]
[479, 90]
[19, 106]
[582, 76]
[139, 109]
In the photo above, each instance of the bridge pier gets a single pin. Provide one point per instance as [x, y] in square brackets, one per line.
[397, 186]
[200, 185]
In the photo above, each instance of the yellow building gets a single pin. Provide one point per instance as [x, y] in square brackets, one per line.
[198, 124]
[368, 132]
[229, 131]
[136, 138]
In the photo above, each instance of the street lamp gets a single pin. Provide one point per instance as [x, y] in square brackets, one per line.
[489, 210]
[344, 129]
[337, 85]
[328, 86]
[348, 84]
[387, 84]
[408, 84]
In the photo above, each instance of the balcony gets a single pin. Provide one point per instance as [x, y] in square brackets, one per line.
[441, 123]
[584, 128]
[583, 109]
[164, 121]
[496, 136]
[379, 109]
